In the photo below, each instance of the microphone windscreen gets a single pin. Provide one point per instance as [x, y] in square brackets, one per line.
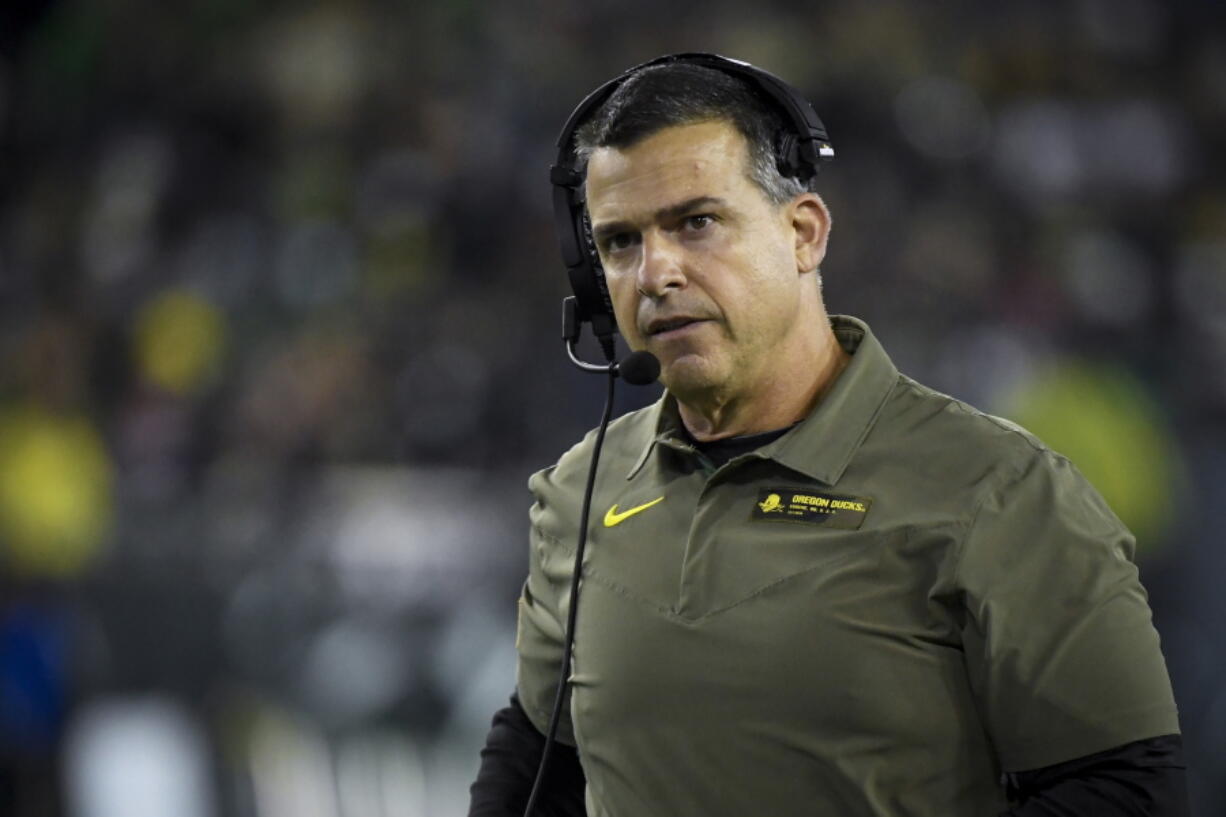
[639, 368]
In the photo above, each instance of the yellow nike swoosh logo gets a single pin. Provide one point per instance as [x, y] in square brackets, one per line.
[612, 517]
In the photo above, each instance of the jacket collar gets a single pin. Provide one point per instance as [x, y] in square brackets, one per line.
[822, 444]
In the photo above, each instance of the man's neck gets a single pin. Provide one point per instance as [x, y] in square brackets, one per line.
[777, 403]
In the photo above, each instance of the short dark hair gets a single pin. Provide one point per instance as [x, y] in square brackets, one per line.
[662, 96]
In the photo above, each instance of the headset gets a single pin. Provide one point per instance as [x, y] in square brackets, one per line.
[801, 149]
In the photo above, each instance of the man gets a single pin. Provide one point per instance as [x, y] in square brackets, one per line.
[817, 586]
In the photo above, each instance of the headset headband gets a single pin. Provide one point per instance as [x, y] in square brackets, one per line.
[803, 150]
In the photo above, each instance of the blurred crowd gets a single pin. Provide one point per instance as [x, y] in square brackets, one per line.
[280, 346]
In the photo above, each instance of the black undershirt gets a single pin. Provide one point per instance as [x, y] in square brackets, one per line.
[1145, 778]
[721, 451]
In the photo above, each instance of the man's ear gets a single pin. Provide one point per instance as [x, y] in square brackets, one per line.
[811, 225]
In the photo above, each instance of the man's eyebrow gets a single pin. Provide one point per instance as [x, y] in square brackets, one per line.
[672, 211]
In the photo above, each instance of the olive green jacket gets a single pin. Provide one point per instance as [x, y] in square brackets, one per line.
[875, 614]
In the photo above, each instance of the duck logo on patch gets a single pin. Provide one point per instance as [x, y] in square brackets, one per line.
[771, 504]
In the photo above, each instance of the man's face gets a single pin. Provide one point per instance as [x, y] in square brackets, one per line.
[702, 268]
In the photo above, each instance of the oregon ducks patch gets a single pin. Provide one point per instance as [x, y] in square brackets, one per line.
[828, 510]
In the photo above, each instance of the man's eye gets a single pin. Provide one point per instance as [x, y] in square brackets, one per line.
[699, 222]
[618, 241]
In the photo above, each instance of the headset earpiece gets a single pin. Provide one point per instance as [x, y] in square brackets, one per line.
[787, 157]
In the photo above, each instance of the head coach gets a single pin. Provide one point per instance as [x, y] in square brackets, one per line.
[811, 585]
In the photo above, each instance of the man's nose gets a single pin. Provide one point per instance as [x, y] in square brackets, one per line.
[661, 265]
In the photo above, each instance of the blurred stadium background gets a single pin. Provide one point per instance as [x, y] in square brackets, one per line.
[279, 339]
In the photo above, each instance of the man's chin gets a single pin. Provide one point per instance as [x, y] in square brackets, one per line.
[688, 375]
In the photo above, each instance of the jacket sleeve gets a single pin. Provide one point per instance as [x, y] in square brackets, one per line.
[1145, 778]
[509, 762]
[1060, 647]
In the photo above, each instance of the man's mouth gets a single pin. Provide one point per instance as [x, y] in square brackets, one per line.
[671, 326]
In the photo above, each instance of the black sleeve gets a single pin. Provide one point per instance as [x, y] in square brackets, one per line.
[1140, 779]
[509, 761]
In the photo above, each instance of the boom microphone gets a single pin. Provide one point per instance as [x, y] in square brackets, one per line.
[639, 368]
